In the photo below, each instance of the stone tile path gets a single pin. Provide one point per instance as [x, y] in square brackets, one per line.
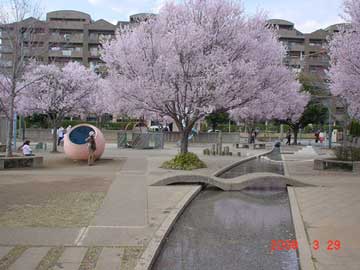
[111, 258]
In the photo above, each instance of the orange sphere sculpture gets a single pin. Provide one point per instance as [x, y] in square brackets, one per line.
[75, 145]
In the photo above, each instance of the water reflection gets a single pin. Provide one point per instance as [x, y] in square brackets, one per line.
[231, 230]
[257, 165]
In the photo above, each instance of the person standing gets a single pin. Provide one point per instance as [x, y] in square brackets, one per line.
[60, 133]
[288, 136]
[252, 136]
[257, 131]
[317, 136]
[91, 147]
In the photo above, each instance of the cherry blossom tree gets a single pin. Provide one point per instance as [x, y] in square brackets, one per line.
[58, 92]
[18, 26]
[287, 104]
[194, 58]
[345, 60]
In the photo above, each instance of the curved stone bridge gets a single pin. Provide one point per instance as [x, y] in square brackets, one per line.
[261, 180]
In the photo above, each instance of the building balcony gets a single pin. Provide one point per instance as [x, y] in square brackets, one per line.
[292, 61]
[66, 38]
[5, 49]
[35, 51]
[295, 47]
[37, 37]
[316, 47]
[66, 53]
[71, 25]
[97, 38]
[317, 61]
[5, 63]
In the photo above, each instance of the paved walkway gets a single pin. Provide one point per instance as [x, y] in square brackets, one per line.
[133, 210]
[130, 213]
[330, 212]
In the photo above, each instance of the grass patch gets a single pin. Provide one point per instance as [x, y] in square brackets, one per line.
[50, 258]
[72, 209]
[90, 258]
[11, 257]
[188, 161]
[130, 257]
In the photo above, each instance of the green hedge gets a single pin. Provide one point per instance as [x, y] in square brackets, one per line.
[347, 153]
[188, 161]
[355, 129]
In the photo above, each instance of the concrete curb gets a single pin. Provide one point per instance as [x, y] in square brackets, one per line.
[286, 170]
[150, 254]
[222, 170]
[304, 251]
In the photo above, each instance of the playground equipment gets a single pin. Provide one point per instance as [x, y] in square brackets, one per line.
[140, 138]
[75, 145]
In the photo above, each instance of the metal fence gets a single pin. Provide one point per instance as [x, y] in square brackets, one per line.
[138, 140]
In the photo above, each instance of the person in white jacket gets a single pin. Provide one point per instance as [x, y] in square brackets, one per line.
[26, 149]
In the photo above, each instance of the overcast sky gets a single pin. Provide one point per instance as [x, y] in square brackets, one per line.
[308, 15]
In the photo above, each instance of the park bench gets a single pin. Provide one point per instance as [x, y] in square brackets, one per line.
[254, 145]
[242, 145]
[21, 162]
[259, 145]
[323, 164]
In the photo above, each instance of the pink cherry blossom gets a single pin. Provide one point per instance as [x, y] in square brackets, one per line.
[193, 58]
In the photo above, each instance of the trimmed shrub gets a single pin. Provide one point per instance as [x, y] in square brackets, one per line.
[188, 161]
[347, 153]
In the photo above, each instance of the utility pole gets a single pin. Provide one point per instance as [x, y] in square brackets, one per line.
[330, 129]
[14, 131]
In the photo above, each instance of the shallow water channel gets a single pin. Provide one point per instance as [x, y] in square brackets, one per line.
[232, 230]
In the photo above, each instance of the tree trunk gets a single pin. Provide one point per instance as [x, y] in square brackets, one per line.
[296, 132]
[184, 141]
[98, 121]
[54, 148]
[10, 130]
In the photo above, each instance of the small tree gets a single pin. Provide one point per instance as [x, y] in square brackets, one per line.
[313, 111]
[195, 57]
[16, 34]
[216, 118]
[58, 92]
[344, 59]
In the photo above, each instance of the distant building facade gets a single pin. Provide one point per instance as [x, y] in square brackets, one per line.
[307, 53]
[64, 36]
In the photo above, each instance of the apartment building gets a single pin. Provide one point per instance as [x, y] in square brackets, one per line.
[68, 35]
[307, 53]
[65, 35]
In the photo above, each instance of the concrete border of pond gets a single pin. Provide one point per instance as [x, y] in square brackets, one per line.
[234, 184]
[222, 170]
[304, 251]
[151, 252]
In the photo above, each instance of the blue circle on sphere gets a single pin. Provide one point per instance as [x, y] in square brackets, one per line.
[78, 135]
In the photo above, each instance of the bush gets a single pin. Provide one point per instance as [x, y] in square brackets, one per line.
[355, 129]
[347, 153]
[187, 161]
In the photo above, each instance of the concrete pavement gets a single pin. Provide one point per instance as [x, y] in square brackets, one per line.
[133, 210]
[330, 212]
